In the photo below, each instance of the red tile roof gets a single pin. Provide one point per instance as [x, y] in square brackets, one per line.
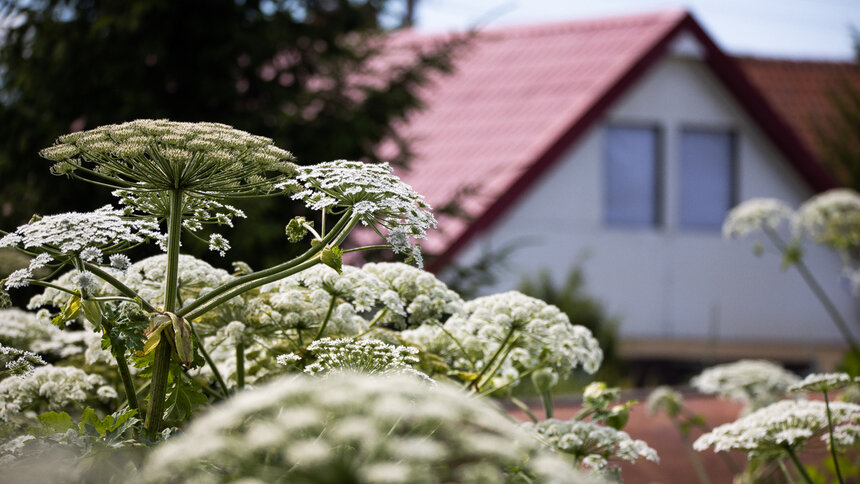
[520, 96]
[802, 91]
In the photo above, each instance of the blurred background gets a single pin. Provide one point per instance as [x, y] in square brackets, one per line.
[482, 122]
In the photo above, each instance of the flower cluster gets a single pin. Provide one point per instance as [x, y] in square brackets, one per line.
[591, 445]
[783, 425]
[425, 299]
[374, 194]
[359, 355]
[207, 160]
[823, 382]
[50, 388]
[755, 214]
[89, 235]
[354, 428]
[35, 332]
[196, 277]
[18, 362]
[502, 336]
[755, 383]
[664, 399]
[831, 218]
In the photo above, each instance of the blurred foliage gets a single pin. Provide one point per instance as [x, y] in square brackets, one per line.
[572, 299]
[839, 140]
[310, 74]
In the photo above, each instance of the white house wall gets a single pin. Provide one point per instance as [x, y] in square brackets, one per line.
[668, 283]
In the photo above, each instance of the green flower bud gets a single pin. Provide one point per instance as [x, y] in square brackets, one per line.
[297, 230]
[5, 299]
[544, 379]
[618, 417]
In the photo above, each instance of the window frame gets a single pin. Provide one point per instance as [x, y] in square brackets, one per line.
[659, 171]
[733, 176]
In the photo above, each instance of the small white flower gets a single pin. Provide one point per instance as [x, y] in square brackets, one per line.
[219, 244]
[91, 254]
[120, 262]
[755, 214]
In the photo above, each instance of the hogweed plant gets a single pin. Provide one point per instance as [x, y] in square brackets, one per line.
[177, 334]
[831, 219]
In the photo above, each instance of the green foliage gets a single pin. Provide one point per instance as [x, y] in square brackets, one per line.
[583, 309]
[284, 69]
[184, 397]
[108, 430]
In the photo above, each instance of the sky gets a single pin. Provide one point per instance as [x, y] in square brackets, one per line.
[795, 29]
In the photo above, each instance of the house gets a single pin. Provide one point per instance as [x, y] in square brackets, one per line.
[627, 139]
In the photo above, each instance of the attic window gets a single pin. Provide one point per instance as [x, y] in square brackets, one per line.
[707, 190]
[632, 178]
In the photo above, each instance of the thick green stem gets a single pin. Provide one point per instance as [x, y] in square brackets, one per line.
[207, 300]
[546, 398]
[240, 364]
[327, 317]
[817, 290]
[191, 315]
[122, 288]
[832, 446]
[118, 351]
[161, 365]
[798, 464]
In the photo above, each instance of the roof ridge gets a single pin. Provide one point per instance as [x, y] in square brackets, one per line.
[790, 60]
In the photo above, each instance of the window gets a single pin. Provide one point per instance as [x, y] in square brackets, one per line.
[707, 178]
[632, 176]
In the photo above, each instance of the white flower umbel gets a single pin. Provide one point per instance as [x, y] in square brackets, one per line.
[361, 356]
[425, 299]
[778, 428]
[354, 428]
[755, 214]
[831, 218]
[74, 232]
[360, 288]
[374, 194]
[206, 160]
[50, 388]
[664, 399]
[593, 446]
[503, 336]
[89, 235]
[14, 361]
[823, 382]
[755, 383]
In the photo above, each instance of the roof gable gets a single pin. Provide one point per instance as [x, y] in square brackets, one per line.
[521, 96]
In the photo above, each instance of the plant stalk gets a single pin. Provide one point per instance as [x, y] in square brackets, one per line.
[240, 364]
[161, 365]
[817, 290]
[799, 465]
[830, 431]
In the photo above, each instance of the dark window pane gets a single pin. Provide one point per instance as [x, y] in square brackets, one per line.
[631, 176]
[706, 178]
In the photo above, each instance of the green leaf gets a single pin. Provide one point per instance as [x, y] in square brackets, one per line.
[70, 312]
[91, 420]
[183, 399]
[332, 257]
[58, 422]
